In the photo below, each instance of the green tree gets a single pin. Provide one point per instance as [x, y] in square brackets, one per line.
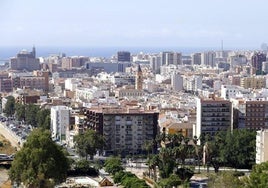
[118, 176]
[224, 179]
[166, 162]
[258, 177]
[234, 149]
[9, 109]
[88, 143]
[20, 111]
[43, 118]
[237, 148]
[170, 182]
[40, 162]
[30, 115]
[152, 164]
[113, 165]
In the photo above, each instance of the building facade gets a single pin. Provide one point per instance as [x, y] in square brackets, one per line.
[125, 131]
[212, 115]
[256, 62]
[254, 82]
[256, 116]
[262, 146]
[25, 61]
[123, 56]
[60, 120]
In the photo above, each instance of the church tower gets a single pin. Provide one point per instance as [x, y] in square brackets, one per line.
[139, 79]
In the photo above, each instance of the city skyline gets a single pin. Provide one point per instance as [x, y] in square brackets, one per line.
[134, 23]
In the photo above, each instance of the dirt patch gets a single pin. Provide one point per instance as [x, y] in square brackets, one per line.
[6, 148]
[4, 182]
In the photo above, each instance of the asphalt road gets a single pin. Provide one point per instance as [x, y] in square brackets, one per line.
[9, 136]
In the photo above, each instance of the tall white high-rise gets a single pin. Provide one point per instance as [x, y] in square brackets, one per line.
[208, 59]
[262, 146]
[177, 82]
[60, 120]
[170, 58]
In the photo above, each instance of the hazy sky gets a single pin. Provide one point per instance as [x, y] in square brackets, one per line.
[158, 23]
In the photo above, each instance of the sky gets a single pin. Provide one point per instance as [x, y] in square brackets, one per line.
[150, 23]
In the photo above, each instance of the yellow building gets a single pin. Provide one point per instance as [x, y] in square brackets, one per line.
[253, 82]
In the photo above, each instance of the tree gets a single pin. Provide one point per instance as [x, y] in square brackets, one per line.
[172, 181]
[113, 165]
[20, 112]
[30, 115]
[224, 179]
[185, 174]
[258, 177]
[88, 143]
[43, 118]
[166, 162]
[40, 162]
[235, 149]
[152, 164]
[9, 109]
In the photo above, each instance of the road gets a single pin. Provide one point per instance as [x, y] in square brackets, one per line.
[14, 142]
[9, 136]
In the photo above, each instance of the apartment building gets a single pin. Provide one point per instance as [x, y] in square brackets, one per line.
[262, 146]
[60, 120]
[229, 91]
[125, 130]
[6, 85]
[254, 82]
[171, 58]
[212, 115]
[256, 116]
[257, 60]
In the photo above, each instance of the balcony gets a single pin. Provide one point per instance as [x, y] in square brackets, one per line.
[128, 122]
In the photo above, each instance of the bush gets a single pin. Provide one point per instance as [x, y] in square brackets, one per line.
[1, 144]
[185, 174]
[83, 168]
[129, 180]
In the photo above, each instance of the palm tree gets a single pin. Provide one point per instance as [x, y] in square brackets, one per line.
[197, 151]
[153, 162]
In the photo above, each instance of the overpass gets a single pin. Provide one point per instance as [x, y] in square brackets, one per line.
[6, 160]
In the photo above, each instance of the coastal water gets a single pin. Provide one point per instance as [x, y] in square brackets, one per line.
[7, 52]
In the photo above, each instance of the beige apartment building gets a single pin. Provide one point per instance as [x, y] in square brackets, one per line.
[262, 146]
[253, 82]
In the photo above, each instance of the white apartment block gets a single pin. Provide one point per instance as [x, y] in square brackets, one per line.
[229, 91]
[262, 146]
[208, 59]
[155, 63]
[60, 120]
[177, 82]
[120, 79]
[72, 83]
[86, 94]
[193, 83]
